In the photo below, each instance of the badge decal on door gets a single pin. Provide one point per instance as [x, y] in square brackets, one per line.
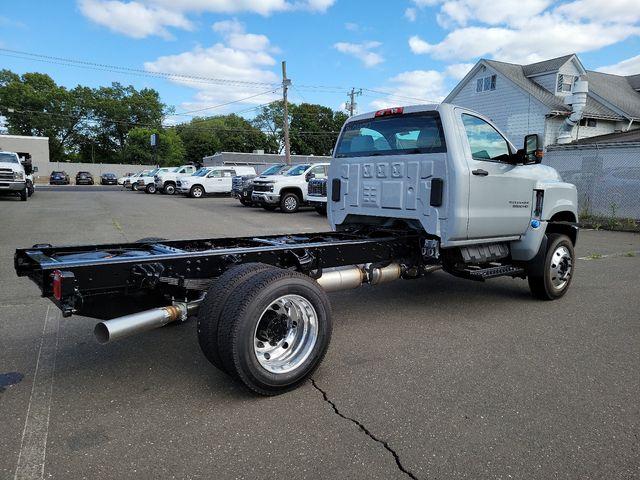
[519, 203]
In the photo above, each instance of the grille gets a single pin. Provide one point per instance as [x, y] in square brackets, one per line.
[6, 174]
[236, 184]
[262, 188]
[318, 188]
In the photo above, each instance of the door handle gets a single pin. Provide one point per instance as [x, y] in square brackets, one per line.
[480, 172]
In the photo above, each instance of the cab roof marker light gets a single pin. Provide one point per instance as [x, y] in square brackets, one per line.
[390, 111]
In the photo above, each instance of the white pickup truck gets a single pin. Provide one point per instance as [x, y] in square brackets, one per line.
[147, 181]
[212, 180]
[288, 191]
[166, 181]
[13, 177]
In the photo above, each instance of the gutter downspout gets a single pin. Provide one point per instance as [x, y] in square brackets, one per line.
[578, 101]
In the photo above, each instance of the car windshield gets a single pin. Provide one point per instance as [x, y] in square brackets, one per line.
[392, 135]
[8, 158]
[152, 172]
[274, 170]
[297, 171]
[201, 173]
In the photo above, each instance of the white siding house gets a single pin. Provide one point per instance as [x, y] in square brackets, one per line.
[523, 99]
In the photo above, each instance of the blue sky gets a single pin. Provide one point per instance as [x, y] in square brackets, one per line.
[410, 50]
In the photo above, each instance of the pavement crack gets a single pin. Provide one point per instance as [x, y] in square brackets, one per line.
[366, 431]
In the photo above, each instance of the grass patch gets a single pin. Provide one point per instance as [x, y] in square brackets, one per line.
[595, 256]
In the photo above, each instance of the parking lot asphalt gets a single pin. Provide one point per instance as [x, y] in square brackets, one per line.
[431, 378]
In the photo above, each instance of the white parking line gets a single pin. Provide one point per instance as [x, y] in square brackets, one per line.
[33, 446]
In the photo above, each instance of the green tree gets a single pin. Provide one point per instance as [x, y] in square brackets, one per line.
[314, 129]
[270, 120]
[138, 150]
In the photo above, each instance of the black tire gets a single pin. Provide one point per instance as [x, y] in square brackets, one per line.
[150, 188]
[542, 286]
[213, 303]
[24, 194]
[322, 210]
[246, 203]
[134, 186]
[196, 192]
[151, 239]
[270, 208]
[289, 203]
[240, 319]
[169, 189]
[30, 188]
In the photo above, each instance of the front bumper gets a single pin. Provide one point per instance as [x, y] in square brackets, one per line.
[316, 201]
[265, 197]
[12, 186]
[84, 181]
[58, 182]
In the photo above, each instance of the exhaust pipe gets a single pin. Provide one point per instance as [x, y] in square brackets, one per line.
[352, 277]
[111, 330]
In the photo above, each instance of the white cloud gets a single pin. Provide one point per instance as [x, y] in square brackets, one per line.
[244, 57]
[133, 19]
[142, 18]
[616, 11]
[457, 71]
[411, 14]
[413, 87]
[351, 26]
[362, 51]
[630, 66]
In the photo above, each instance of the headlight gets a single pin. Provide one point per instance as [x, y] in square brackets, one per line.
[19, 176]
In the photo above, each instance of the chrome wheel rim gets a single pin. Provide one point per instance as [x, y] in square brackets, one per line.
[197, 192]
[290, 203]
[561, 267]
[169, 190]
[285, 334]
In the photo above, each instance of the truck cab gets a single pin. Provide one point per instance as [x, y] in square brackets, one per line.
[13, 177]
[451, 173]
[214, 180]
[288, 191]
[166, 181]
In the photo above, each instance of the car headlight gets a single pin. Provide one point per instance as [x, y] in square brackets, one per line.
[19, 176]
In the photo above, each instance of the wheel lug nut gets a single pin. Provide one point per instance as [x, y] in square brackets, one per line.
[260, 345]
[267, 356]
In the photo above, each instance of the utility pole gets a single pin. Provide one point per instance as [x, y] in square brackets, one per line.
[351, 104]
[286, 83]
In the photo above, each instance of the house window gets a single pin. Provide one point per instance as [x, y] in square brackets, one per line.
[486, 83]
[565, 82]
[588, 122]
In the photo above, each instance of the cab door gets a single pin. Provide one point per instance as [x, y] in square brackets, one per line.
[226, 181]
[212, 182]
[500, 193]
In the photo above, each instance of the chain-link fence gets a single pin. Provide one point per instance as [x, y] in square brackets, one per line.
[607, 177]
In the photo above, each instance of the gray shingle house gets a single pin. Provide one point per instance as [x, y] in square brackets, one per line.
[555, 98]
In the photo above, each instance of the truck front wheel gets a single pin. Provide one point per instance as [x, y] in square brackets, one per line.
[274, 330]
[289, 203]
[196, 191]
[557, 271]
[169, 189]
[150, 188]
[24, 195]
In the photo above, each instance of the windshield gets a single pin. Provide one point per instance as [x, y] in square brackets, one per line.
[396, 135]
[201, 173]
[296, 171]
[152, 172]
[274, 170]
[8, 158]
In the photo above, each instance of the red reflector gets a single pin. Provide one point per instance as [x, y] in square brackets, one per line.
[57, 284]
[390, 111]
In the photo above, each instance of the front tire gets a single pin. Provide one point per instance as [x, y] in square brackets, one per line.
[274, 330]
[150, 189]
[196, 192]
[24, 195]
[169, 189]
[289, 203]
[557, 271]
[134, 187]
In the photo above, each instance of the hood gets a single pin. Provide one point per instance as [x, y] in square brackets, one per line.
[16, 167]
[272, 178]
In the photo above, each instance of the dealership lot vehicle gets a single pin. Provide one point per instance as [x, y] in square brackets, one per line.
[108, 179]
[287, 191]
[84, 178]
[412, 189]
[147, 182]
[215, 180]
[132, 181]
[59, 178]
[13, 177]
[126, 178]
[317, 195]
[242, 185]
[166, 181]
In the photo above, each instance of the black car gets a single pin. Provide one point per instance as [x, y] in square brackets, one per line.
[84, 178]
[242, 186]
[108, 179]
[59, 178]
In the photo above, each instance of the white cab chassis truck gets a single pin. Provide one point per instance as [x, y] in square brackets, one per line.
[288, 191]
[410, 190]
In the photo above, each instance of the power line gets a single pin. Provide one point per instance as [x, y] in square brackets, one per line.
[188, 112]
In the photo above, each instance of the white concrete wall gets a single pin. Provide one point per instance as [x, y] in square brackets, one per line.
[513, 110]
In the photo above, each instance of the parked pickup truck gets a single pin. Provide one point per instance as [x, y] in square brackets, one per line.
[215, 180]
[287, 191]
[147, 182]
[410, 190]
[242, 185]
[317, 195]
[13, 176]
[166, 181]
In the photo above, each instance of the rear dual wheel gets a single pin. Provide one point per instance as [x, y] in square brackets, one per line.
[266, 326]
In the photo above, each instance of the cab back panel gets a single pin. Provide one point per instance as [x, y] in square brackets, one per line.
[397, 186]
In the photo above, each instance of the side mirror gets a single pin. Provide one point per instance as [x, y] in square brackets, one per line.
[532, 153]
[310, 175]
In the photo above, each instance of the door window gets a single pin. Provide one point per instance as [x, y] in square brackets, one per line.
[215, 174]
[319, 171]
[228, 173]
[485, 141]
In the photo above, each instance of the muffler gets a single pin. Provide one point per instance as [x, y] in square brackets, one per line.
[111, 330]
[352, 277]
